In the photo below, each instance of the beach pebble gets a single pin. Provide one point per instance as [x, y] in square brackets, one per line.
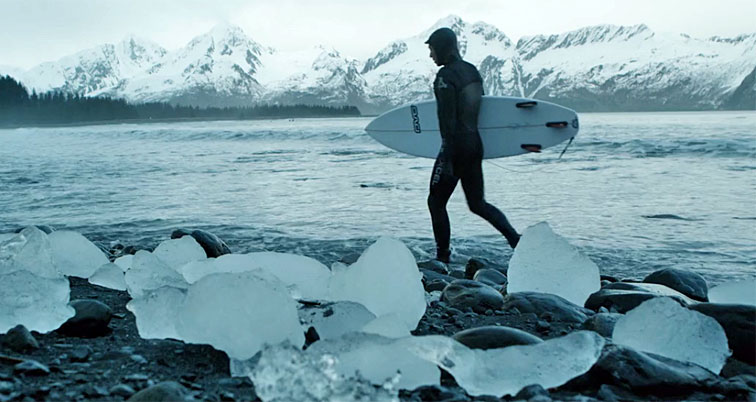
[80, 353]
[688, 283]
[533, 393]
[31, 368]
[435, 266]
[602, 323]
[542, 303]
[436, 393]
[45, 228]
[91, 319]
[739, 324]
[464, 293]
[167, 391]
[490, 277]
[212, 244]
[19, 339]
[494, 336]
[436, 285]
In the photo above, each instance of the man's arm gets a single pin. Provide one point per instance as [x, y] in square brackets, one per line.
[446, 101]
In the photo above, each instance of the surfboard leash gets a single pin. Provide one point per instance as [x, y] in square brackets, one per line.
[531, 171]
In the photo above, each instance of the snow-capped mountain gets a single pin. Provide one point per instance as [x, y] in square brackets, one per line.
[596, 68]
[95, 69]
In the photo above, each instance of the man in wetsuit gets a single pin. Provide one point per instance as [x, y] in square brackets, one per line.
[458, 89]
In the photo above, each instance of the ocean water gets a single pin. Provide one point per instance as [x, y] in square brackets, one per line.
[636, 192]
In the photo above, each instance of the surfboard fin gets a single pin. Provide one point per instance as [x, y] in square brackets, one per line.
[531, 147]
[525, 105]
[557, 124]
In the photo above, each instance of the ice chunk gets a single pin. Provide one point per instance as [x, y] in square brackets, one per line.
[6, 236]
[332, 320]
[156, 312]
[305, 277]
[110, 276]
[505, 371]
[386, 280]
[149, 272]
[39, 304]
[178, 252]
[239, 313]
[74, 255]
[737, 292]
[29, 251]
[389, 325]
[124, 261]
[378, 359]
[286, 373]
[662, 326]
[545, 262]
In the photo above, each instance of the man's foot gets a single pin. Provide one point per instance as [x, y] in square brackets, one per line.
[513, 241]
[443, 255]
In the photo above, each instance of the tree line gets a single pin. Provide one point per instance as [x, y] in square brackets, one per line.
[19, 107]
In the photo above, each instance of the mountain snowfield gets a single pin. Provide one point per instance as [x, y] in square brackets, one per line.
[598, 68]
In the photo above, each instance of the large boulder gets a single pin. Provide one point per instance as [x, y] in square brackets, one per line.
[464, 293]
[688, 283]
[494, 336]
[541, 303]
[739, 323]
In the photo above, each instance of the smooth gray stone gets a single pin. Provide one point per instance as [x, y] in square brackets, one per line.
[167, 391]
[31, 368]
[688, 283]
[494, 337]
[739, 323]
[621, 297]
[19, 339]
[602, 323]
[435, 266]
[212, 244]
[463, 293]
[541, 303]
[91, 319]
[490, 277]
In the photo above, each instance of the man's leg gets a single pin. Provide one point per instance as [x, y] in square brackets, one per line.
[472, 184]
[442, 186]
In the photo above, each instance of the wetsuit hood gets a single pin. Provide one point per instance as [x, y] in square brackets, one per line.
[444, 43]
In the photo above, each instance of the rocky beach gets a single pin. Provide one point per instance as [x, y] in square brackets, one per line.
[99, 355]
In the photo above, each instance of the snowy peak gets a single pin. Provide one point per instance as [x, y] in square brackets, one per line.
[530, 46]
[393, 50]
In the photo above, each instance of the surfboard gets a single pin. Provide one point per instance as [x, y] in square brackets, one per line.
[508, 126]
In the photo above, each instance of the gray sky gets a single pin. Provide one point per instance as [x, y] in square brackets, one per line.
[34, 31]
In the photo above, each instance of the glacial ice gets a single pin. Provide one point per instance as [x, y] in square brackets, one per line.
[378, 359]
[74, 255]
[386, 280]
[286, 373]
[29, 251]
[663, 326]
[389, 325]
[178, 252]
[332, 320]
[110, 276]
[40, 304]
[305, 277]
[505, 371]
[545, 262]
[735, 292]
[124, 261]
[156, 312]
[148, 273]
[239, 313]
[6, 236]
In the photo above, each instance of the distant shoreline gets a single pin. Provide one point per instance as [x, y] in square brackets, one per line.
[167, 120]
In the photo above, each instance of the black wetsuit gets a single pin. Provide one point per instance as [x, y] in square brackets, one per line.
[458, 89]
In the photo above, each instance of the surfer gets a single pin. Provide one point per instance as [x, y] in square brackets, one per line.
[458, 89]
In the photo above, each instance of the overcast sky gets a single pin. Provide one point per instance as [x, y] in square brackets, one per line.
[33, 31]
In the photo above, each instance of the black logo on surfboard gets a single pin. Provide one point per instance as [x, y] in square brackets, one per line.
[415, 119]
[575, 123]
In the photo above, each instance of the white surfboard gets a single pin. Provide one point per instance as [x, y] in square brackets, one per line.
[508, 126]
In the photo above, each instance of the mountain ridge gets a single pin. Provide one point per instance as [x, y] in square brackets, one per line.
[595, 68]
